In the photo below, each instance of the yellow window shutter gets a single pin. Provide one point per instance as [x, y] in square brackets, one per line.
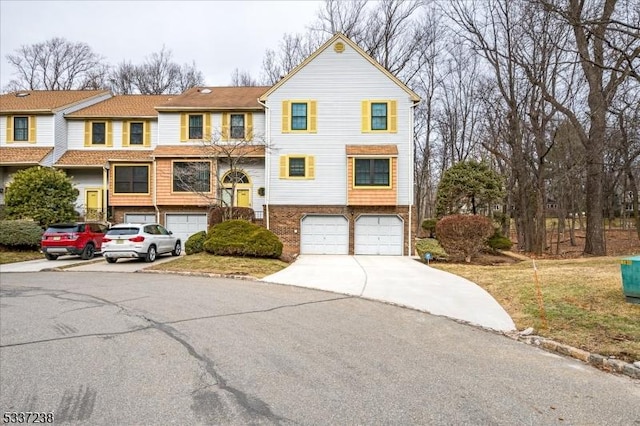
[9, 128]
[125, 133]
[311, 168]
[393, 116]
[283, 167]
[206, 132]
[225, 126]
[286, 123]
[32, 128]
[109, 133]
[313, 128]
[87, 133]
[183, 127]
[146, 126]
[249, 124]
[366, 116]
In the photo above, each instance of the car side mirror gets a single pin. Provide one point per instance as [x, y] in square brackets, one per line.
[170, 233]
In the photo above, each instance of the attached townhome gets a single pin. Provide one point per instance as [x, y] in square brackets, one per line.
[324, 157]
[33, 127]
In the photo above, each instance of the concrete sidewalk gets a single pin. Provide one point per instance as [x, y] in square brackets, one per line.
[399, 280]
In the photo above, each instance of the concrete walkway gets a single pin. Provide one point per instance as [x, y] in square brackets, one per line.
[399, 280]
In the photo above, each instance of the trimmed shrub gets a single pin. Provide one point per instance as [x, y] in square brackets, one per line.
[499, 242]
[429, 225]
[463, 236]
[20, 234]
[242, 238]
[430, 245]
[195, 243]
[220, 214]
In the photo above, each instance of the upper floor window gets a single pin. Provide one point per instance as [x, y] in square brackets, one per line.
[21, 128]
[237, 126]
[372, 172]
[136, 133]
[379, 116]
[98, 133]
[297, 167]
[131, 179]
[191, 176]
[195, 126]
[299, 116]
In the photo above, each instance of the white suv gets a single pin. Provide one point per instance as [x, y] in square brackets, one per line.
[141, 240]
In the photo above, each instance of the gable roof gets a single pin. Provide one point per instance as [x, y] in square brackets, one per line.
[216, 98]
[45, 101]
[29, 155]
[124, 106]
[338, 36]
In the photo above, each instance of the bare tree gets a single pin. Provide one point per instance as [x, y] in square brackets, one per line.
[293, 49]
[56, 64]
[243, 78]
[122, 78]
[160, 75]
[606, 47]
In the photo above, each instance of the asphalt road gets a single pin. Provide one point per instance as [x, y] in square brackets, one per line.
[135, 348]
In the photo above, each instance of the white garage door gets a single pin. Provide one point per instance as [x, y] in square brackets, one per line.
[139, 218]
[324, 235]
[378, 235]
[185, 225]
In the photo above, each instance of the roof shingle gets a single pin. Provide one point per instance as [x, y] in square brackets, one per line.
[28, 155]
[124, 106]
[44, 100]
[208, 151]
[98, 158]
[221, 98]
[372, 149]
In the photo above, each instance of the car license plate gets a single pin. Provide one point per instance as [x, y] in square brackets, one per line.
[56, 238]
[119, 241]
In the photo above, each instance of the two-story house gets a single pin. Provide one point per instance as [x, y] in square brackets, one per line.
[33, 128]
[340, 160]
[324, 157]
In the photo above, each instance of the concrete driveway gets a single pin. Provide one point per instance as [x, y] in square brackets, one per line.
[400, 280]
[75, 263]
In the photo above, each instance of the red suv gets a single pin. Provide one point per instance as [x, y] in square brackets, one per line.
[83, 238]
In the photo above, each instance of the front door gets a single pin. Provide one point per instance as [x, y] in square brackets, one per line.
[93, 204]
[243, 199]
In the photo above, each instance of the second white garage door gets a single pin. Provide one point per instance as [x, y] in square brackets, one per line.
[324, 234]
[380, 234]
[185, 225]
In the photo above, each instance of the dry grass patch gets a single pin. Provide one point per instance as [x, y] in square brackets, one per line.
[225, 265]
[8, 256]
[583, 300]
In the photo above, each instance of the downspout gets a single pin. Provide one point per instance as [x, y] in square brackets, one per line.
[411, 175]
[267, 161]
[155, 190]
[105, 191]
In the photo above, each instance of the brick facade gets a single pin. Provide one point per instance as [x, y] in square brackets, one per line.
[285, 222]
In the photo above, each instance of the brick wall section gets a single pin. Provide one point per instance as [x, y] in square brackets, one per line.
[284, 221]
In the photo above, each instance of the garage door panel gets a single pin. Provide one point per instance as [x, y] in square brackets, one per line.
[185, 225]
[324, 235]
[379, 235]
[139, 218]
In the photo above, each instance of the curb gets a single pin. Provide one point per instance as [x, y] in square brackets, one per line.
[601, 362]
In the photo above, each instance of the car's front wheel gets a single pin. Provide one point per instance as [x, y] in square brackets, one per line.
[177, 249]
[50, 256]
[88, 252]
[111, 259]
[151, 254]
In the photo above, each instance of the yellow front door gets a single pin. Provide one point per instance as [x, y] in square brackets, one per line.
[242, 198]
[93, 204]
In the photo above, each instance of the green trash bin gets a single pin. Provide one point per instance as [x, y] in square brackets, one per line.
[630, 269]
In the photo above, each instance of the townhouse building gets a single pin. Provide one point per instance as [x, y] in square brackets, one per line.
[324, 157]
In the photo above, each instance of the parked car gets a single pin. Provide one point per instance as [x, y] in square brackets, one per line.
[81, 238]
[145, 241]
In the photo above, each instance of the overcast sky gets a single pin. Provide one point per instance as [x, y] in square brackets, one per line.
[218, 35]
